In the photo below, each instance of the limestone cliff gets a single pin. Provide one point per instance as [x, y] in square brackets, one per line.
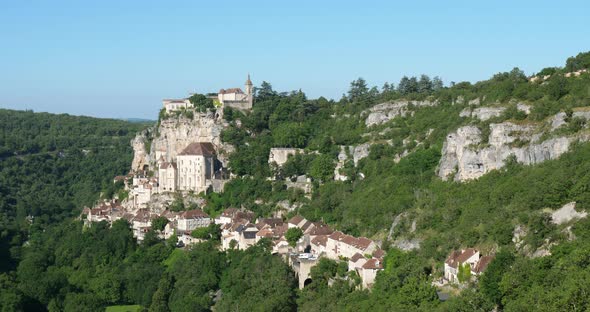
[465, 157]
[141, 155]
[173, 134]
[385, 112]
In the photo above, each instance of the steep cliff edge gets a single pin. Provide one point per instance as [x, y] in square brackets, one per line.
[384, 112]
[174, 133]
[466, 156]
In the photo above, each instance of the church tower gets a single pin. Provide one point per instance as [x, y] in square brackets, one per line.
[249, 86]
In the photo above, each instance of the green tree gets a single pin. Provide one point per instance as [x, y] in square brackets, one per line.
[293, 235]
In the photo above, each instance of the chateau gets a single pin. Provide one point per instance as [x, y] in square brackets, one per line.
[233, 97]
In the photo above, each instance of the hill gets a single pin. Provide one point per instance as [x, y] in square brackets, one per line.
[422, 168]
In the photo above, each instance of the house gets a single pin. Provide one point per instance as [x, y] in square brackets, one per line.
[236, 98]
[167, 173]
[296, 221]
[470, 257]
[356, 262]
[318, 244]
[192, 219]
[226, 216]
[369, 270]
[342, 245]
[141, 223]
[246, 235]
[171, 105]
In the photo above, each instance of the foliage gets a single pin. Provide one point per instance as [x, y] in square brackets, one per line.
[293, 235]
[159, 223]
[201, 102]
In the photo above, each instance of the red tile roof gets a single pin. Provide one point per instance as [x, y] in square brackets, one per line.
[320, 240]
[373, 264]
[296, 220]
[483, 263]
[356, 257]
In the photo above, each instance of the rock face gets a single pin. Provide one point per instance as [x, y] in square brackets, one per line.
[483, 113]
[280, 155]
[174, 134]
[141, 156]
[567, 213]
[463, 157]
[385, 112]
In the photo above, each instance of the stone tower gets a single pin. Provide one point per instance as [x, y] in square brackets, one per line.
[249, 86]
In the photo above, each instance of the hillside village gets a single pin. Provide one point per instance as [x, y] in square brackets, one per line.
[196, 169]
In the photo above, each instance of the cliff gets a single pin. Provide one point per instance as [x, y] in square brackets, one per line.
[174, 133]
[466, 156]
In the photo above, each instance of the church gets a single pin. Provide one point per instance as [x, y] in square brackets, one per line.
[193, 170]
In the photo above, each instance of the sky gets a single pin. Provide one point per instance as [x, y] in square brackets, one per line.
[119, 59]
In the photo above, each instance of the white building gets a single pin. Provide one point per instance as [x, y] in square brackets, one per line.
[196, 167]
[175, 104]
[236, 98]
[167, 173]
[191, 219]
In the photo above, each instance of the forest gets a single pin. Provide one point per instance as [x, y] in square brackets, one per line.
[53, 165]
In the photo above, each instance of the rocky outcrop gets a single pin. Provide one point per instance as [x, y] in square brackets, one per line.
[141, 156]
[280, 155]
[465, 158]
[483, 113]
[385, 112]
[176, 133]
[567, 213]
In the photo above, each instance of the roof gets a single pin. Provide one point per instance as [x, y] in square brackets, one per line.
[229, 212]
[320, 240]
[194, 214]
[166, 165]
[231, 90]
[272, 222]
[483, 263]
[320, 228]
[296, 220]
[466, 254]
[373, 264]
[379, 253]
[248, 81]
[361, 243]
[460, 256]
[356, 257]
[199, 148]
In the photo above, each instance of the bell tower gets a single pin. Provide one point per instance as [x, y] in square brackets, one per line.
[249, 86]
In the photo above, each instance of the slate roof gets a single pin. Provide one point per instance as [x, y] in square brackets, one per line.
[199, 148]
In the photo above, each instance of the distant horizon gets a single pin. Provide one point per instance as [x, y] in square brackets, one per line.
[118, 60]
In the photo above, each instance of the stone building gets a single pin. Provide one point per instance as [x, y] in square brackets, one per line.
[167, 173]
[196, 167]
[236, 98]
[175, 104]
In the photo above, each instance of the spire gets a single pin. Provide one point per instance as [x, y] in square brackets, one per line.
[249, 85]
[248, 82]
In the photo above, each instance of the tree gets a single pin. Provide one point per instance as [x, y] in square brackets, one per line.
[322, 167]
[159, 223]
[464, 274]
[201, 102]
[358, 89]
[425, 84]
[293, 235]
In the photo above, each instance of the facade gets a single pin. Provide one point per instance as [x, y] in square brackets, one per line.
[172, 105]
[340, 244]
[193, 170]
[192, 219]
[236, 98]
[167, 173]
[195, 167]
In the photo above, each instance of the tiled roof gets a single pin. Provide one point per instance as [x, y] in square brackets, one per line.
[231, 90]
[199, 148]
[356, 257]
[379, 253]
[373, 264]
[320, 228]
[483, 263]
[320, 240]
[361, 243]
[296, 220]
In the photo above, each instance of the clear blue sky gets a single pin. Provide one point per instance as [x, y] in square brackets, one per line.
[120, 58]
